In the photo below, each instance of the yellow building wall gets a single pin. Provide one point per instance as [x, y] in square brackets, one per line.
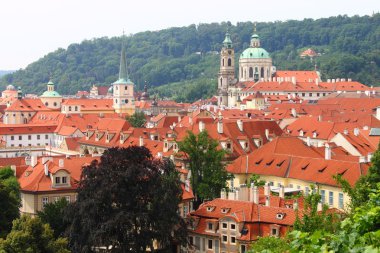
[297, 184]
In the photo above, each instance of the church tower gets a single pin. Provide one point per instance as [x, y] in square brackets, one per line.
[227, 70]
[123, 96]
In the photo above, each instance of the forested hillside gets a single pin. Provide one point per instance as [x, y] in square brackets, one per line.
[187, 56]
[4, 72]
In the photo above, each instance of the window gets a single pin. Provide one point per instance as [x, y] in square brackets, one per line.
[274, 231]
[55, 103]
[38, 137]
[224, 238]
[233, 226]
[76, 108]
[126, 101]
[229, 62]
[243, 248]
[331, 198]
[56, 199]
[45, 200]
[224, 225]
[233, 239]
[29, 137]
[251, 72]
[307, 191]
[303, 94]
[20, 137]
[209, 244]
[341, 202]
[12, 138]
[64, 180]
[310, 94]
[323, 196]
[191, 240]
[46, 136]
[228, 145]
[69, 108]
[57, 180]
[67, 198]
[209, 226]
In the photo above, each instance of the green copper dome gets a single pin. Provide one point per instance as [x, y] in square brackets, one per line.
[50, 94]
[254, 53]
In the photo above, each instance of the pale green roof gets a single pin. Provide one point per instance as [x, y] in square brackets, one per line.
[50, 94]
[227, 40]
[254, 53]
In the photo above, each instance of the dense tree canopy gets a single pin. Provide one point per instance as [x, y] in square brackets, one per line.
[137, 119]
[53, 214]
[30, 235]
[186, 56]
[126, 202]
[9, 200]
[208, 174]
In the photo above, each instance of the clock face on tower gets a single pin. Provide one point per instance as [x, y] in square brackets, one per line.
[229, 52]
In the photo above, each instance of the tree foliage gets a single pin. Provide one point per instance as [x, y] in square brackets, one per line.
[349, 48]
[125, 202]
[9, 200]
[30, 235]
[137, 119]
[53, 214]
[270, 244]
[208, 174]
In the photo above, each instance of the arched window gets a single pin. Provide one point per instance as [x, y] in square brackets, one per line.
[221, 82]
[250, 72]
[229, 62]
[76, 108]
[47, 104]
[223, 62]
[55, 103]
[69, 108]
[126, 101]
[262, 72]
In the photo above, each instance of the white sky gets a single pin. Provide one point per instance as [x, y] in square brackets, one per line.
[29, 29]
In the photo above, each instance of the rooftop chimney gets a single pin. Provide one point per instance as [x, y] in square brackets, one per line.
[267, 200]
[239, 123]
[308, 142]
[294, 81]
[267, 189]
[141, 141]
[345, 132]
[219, 126]
[356, 131]
[362, 159]
[46, 169]
[281, 192]
[201, 126]
[294, 112]
[327, 152]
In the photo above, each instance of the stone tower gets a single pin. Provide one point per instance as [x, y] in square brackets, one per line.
[227, 70]
[123, 96]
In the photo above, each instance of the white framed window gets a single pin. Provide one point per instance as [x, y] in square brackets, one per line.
[56, 198]
[64, 180]
[224, 238]
[224, 225]
[323, 196]
[57, 180]
[45, 200]
[209, 244]
[209, 226]
[341, 200]
[274, 231]
[67, 198]
[233, 240]
[232, 226]
[331, 198]
[243, 248]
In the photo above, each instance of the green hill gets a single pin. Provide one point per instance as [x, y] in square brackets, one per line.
[186, 56]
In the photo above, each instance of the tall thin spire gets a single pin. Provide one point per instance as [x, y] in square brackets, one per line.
[123, 72]
[254, 27]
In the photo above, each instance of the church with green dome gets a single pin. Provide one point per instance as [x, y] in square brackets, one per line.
[255, 64]
[51, 98]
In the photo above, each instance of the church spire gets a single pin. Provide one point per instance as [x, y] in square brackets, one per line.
[227, 43]
[255, 39]
[123, 72]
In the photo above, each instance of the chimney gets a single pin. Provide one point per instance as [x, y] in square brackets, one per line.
[254, 194]
[190, 120]
[267, 200]
[319, 118]
[362, 159]
[61, 163]
[317, 81]
[369, 157]
[327, 152]
[219, 126]
[45, 159]
[356, 131]
[294, 112]
[46, 169]
[239, 123]
[141, 141]
[345, 132]
[267, 189]
[294, 81]
[281, 192]
[201, 126]
[267, 133]
[179, 119]
[14, 169]
[308, 142]
[243, 193]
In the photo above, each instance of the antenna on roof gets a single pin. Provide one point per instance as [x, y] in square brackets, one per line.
[254, 27]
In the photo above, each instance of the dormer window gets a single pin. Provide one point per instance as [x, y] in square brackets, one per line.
[225, 210]
[210, 226]
[280, 216]
[210, 208]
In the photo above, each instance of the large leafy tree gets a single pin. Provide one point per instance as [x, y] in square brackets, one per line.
[53, 214]
[126, 202]
[137, 119]
[208, 174]
[31, 235]
[9, 200]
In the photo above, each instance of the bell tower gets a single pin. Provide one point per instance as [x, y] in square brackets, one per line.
[123, 95]
[227, 70]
